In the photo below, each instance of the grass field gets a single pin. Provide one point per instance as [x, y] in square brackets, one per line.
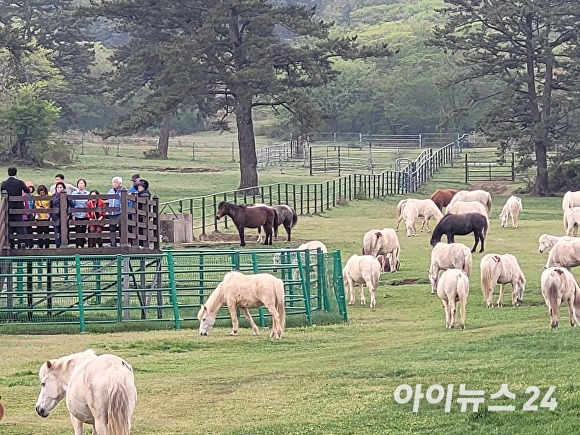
[338, 378]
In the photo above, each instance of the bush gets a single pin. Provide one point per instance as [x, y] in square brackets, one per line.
[564, 177]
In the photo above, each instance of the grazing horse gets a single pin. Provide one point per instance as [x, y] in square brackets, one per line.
[285, 216]
[100, 390]
[453, 286]
[473, 195]
[245, 291]
[559, 285]
[442, 197]
[448, 256]
[249, 217]
[502, 270]
[383, 242]
[547, 241]
[564, 254]
[513, 208]
[461, 224]
[362, 270]
[426, 208]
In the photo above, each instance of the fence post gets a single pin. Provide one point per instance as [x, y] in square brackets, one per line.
[79, 282]
[489, 171]
[173, 289]
[63, 217]
[513, 167]
[310, 158]
[192, 151]
[119, 288]
[215, 221]
[466, 169]
[124, 220]
[338, 149]
[260, 309]
[305, 282]
[203, 215]
[339, 285]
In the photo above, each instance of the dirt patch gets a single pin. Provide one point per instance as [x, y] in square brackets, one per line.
[183, 170]
[406, 281]
[493, 187]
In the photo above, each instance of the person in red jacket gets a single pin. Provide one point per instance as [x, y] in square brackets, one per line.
[98, 216]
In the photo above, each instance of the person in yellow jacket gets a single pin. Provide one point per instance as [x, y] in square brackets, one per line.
[43, 219]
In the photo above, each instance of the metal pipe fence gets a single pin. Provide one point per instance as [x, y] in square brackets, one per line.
[169, 287]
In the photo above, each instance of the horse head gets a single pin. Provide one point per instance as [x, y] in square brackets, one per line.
[206, 320]
[52, 389]
[503, 218]
[222, 210]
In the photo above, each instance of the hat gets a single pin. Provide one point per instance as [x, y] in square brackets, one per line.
[143, 183]
[135, 176]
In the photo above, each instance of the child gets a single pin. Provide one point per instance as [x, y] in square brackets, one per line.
[96, 215]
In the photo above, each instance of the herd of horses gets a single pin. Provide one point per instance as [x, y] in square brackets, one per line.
[100, 390]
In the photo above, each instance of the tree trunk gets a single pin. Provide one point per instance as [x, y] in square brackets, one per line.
[163, 142]
[246, 143]
[541, 187]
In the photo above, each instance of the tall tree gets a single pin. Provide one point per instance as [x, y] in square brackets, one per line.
[531, 47]
[248, 52]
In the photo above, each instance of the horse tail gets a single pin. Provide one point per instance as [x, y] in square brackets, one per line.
[488, 204]
[294, 218]
[467, 265]
[279, 305]
[553, 292]
[486, 281]
[275, 222]
[118, 416]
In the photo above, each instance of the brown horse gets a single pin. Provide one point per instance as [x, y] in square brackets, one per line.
[442, 197]
[249, 217]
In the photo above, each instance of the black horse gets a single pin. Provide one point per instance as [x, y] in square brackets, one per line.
[461, 224]
[249, 217]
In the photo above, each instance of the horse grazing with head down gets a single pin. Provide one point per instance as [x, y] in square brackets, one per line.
[245, 291]
[448, 256]
[461, 224]
[383, 242]
[442, 197]
[100, 390]
[249, 217]
[559, 285]
[502, 270]
[453, 287]
[547, 241]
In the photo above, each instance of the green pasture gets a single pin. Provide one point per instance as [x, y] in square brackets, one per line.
[340, 378]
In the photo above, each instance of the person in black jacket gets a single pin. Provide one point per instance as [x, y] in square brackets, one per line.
[60, 189]
[15, 188]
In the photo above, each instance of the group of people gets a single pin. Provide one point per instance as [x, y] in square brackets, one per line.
[49, 200]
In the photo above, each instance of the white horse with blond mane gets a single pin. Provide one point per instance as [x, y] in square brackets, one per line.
[453, 286]
[564, 254]
[446, 256]
[245, 291]
[571, 199]
[100, 390]
[426, 208]
[513, 208]
[547, 241]
[362, 270]
[572, 219]
[410, 214]
[473, 195]
[502, 270]
[383, 242]
[559, 285]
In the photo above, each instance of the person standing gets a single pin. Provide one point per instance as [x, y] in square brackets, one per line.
[15, 188]
[55, 205]
[80, 216]
[117, 186]
[59, 178]
[95, 215]
[143, 192]
[42, 217]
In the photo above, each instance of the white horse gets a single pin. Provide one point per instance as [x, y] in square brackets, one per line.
[547, 241]
[311, 246]
[362, 270]
[571, 199]
[453, 286]
[572, 218]
[410, 214]
[448, 256]
[473, 195]
[513, 208]
[464, 207]
[100, 390]
[426, 208]
[564, 254]
[559, 285]
[245, 291]
[383, 242]
[502, 270]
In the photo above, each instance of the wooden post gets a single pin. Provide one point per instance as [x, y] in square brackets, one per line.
[124, 218]
[63, 216]
[513, 167]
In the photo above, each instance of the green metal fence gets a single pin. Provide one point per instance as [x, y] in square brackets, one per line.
[315, 198]
[168, 287]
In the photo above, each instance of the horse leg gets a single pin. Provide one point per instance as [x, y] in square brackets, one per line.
[259, 239]
[482, 239]
[463, 308]
[373, 292]
[500, 299]
[363, 300]
[248, 316]
[452, 311]
[423, 224]
[514, 221]
[100, 426]
[451, 238]
[351, 292]
[476, 240]
[234, 316]
[288, 229]
[572, 311]
[446, 309]
[77, 425]
[268, 231]
[514, 294]
[427, 223]
[276, 322]
[241, 233]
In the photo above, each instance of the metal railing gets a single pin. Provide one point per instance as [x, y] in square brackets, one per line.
[313, 198]
[169, 287]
